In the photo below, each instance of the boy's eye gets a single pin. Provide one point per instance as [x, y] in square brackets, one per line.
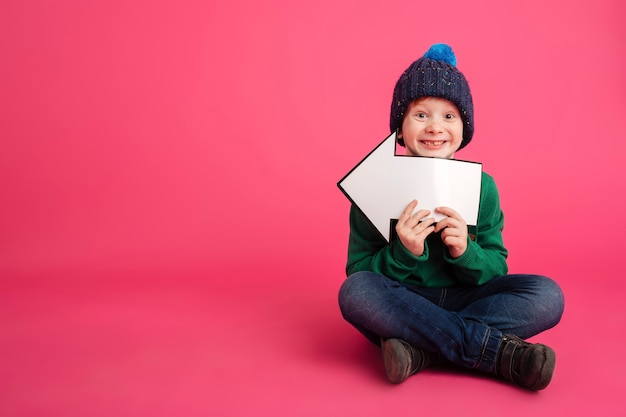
[420, 115]
[450, 116]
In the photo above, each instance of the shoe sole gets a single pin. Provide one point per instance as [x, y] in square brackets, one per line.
[547, 369]
[397, 360]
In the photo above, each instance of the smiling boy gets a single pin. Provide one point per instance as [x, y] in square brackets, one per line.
[441, 292]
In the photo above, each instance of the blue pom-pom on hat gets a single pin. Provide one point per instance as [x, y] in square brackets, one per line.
[441, 52]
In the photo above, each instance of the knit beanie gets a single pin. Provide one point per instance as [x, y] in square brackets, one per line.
[433, 75]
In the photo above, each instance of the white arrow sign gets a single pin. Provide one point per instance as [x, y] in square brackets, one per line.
[383, 184]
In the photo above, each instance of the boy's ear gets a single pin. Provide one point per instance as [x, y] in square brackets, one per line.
[399, 138]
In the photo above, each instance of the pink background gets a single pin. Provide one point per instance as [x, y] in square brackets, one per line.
[171, 235]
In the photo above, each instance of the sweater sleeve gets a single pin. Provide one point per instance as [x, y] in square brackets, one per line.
[369, 251]
[485, 257]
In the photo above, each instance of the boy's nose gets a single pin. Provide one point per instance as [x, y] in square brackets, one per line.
[434, 126]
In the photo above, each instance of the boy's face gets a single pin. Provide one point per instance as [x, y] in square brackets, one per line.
[432, 127]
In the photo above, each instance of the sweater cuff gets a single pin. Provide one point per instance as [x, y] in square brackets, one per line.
[402, 255]
[467, 258]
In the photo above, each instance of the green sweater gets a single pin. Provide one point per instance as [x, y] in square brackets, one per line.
[484, 259]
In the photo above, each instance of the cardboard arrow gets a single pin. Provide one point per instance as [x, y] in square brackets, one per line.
[383, 184]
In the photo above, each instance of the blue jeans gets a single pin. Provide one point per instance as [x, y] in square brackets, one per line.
[463, 324]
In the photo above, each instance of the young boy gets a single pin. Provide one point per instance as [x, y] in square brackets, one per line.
[439, 292]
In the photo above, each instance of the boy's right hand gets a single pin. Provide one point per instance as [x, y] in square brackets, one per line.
[413, 229]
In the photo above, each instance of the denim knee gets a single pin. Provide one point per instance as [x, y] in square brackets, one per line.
[353, 291]
[552, 300]
[353, 302]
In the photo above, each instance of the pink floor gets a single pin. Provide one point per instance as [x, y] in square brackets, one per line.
[174, 344]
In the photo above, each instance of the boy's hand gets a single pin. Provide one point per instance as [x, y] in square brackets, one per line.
[454, 233]
[413, 229]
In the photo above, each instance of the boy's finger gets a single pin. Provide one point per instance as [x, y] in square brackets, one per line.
[409, 209]
[447, 211]
[441, 224]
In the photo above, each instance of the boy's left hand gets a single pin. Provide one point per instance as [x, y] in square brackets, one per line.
[454, 234]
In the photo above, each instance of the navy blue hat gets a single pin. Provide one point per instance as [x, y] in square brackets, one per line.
[433, 75]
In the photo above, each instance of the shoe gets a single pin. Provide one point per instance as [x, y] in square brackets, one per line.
[525, 364]
[402, 360]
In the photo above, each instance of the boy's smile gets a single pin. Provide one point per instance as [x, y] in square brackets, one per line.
[432, 143]
[432, 127]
